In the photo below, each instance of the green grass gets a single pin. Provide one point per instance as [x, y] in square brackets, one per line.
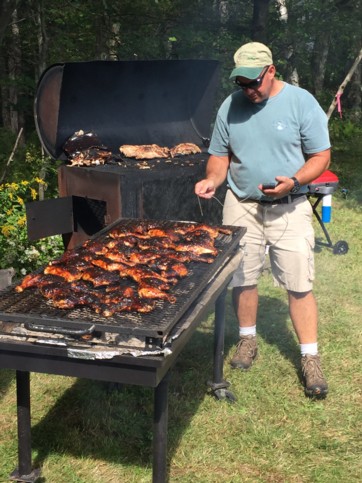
[83, 432]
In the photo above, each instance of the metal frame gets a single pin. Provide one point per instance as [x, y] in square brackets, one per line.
[149, 371]
[340, 247]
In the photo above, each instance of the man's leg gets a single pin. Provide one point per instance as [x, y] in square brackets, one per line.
[245, 300]
[304, 314]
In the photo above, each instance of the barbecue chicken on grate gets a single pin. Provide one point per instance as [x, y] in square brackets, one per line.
[129, 269]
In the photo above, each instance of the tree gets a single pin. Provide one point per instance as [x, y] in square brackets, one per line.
[259, 22]
[7, 8]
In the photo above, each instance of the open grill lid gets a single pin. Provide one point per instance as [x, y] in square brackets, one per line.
[165, 102]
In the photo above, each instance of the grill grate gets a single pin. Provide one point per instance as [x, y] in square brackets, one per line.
[30, 306]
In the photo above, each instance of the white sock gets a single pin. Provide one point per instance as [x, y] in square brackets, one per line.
[247, 330]
[311, 349]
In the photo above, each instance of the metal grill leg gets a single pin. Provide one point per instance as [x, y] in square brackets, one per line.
[219, 385]
[24, 473]
[160, 420]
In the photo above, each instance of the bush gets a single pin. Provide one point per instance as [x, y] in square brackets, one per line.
[15, 249]
[343, 131]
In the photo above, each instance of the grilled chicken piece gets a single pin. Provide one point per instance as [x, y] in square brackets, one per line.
[143, 257]
[110, 266]
[184, 148]
[118, 256]
[143, 306]
[156, 242]
[184, 257]
[141, 273]
[151, 292]
[88, 157]
[179, 268]
[159, 233]
[144, 151]
[198, 248]
[96, 247]
[213, 231]
[135, 304]
[70, 296]
[116, 296]
[195, 248]
[121, 239]
[38, 280]
[168, 268]
[154, 282]
[99, 277]
[69, 273]
[65, 302]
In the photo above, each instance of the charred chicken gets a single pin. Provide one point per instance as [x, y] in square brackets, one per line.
[130, 270]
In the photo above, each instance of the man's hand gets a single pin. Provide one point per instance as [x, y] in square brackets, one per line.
[283, 187]
[205, 188]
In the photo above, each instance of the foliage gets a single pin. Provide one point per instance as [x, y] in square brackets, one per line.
[343, 131]
[28, 162]
[15, 249]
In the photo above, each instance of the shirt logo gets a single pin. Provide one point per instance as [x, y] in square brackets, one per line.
[279, 125]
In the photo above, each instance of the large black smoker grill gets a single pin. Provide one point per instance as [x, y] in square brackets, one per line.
[143, 102]
[124, 103]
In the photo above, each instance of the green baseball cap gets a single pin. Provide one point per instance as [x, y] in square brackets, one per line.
[250, 60]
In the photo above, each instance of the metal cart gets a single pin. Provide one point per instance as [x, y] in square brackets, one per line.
[322, 186]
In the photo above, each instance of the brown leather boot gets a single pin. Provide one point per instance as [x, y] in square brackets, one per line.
[314, 380]
[246, 353]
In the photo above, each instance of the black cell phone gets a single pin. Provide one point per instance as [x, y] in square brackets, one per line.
[269, 186]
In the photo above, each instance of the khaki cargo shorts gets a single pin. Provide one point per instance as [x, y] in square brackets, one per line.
[288, 232]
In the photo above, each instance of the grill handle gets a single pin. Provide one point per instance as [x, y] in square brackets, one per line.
[59, 330]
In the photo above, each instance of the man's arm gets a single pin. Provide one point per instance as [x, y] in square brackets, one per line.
[216, 171]
[314, 166]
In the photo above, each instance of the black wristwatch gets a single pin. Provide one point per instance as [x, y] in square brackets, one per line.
[296, 186]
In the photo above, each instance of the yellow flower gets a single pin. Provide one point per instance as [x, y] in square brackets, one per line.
[20, 200]
[7, 230]
[22, 221]
[24, 183]
[34, 193]
[9, 212]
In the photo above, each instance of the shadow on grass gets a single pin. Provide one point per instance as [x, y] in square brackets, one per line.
[272, 326]
[6, 378]
[114, 423]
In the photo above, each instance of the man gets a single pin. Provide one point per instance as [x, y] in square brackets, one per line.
[270, 131]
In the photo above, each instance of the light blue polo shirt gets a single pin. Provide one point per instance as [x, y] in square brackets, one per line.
[268, 139]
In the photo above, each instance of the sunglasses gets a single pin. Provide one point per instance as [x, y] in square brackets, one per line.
[254, 84]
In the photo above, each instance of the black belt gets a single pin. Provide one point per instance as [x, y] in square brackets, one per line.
[279, 201]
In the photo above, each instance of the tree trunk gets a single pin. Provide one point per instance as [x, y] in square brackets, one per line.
[291, 74]
[43, 40]
[7, 8]
[14, 64]
[319, 61]
[354, 95]
[260, 18]
[344, 83]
